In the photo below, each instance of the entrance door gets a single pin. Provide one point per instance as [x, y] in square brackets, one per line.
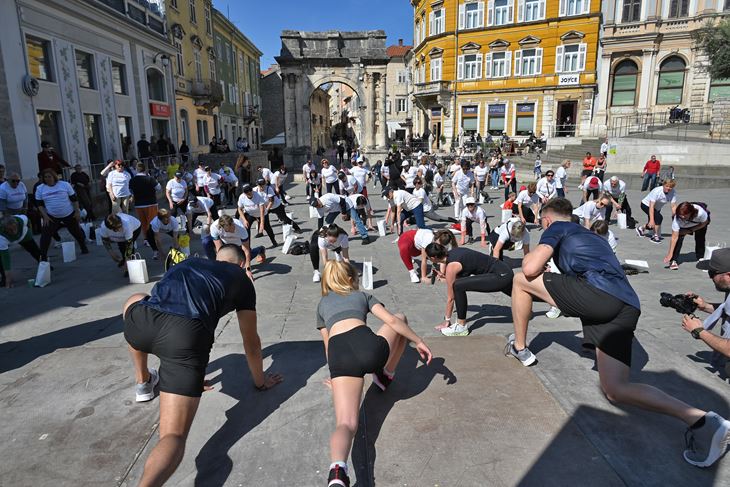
[567, 112]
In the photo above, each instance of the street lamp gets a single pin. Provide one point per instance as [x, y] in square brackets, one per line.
[162, 56]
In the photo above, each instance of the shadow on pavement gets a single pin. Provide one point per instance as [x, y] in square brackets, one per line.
[411, 380]
[296, 361]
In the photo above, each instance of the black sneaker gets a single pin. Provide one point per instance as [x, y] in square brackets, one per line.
[338, 477]
[366, 241]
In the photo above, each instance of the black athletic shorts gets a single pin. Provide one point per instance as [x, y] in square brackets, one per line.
[608, 323]
[357, 352]
[182, 344]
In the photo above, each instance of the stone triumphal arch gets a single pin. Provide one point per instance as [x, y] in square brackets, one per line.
[309, 60]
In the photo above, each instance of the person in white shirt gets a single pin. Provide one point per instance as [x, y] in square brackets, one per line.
[330, 205]
[325, 239]
[462, 186]
[15, 229]
[438, 184]
[278, 182]
[225, 231]
[526, 203]
[176, 191]
[509, 177]
[537, 169]
[212, 184]
[604, 148]
[123, 230]
[546, 187]
[592, 211]
[200, 205]
[364, 210]
[507, 235]
[615, 189]
[330, 183]
[652, 205]
[600, 227]
[406, 205]
[252, 207]
[428, 212]
[307, 169]
[408, 175]
[163, 223]
[361, 176]
[274, 204]
[689, 219]
[347, 184]
[199, 176]
[13, 195]
[265, 172]
[473, 214]
[561, 178]
[229, 184]
[480, 173]
[117, 185]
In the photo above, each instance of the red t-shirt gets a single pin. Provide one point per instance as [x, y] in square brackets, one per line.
[589, 163]
[652, 167]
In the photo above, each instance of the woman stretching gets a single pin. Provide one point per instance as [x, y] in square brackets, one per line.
[467, 270]
[689, 219]
[413, 243]
[329, 237]
[353, 350]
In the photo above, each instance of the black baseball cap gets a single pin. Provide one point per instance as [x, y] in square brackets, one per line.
[246, 188]
[260, 181]
[178, 174]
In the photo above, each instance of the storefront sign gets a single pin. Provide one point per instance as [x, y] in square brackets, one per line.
[525, 108]
[496, 110]
[159, 110]
[470, 111]
[569, 79]
[436, 113]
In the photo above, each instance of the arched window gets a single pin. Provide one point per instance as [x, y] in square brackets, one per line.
[671, 81]
[156, 85]
[625, 77]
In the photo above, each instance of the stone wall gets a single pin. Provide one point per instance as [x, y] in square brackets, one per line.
[632, 154]
[720, 120]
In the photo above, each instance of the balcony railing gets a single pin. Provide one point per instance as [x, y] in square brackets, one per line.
[432, 87]
[207, 92]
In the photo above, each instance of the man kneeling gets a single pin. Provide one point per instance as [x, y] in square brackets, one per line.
[177, 323]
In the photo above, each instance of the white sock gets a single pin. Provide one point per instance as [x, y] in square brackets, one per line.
[388, 373]
[342, 465]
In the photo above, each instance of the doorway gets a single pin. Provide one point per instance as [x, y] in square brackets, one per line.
[567, 112]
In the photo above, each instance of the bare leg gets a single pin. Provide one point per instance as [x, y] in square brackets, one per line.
[396, 343]
[614, 376]
[524, 291]
[139, 359]
[176, 416]
[346, 394]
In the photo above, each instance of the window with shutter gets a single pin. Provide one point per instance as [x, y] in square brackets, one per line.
[460, 68]
[490, 13]
[510, 11]
[538, 67]
[518, 63]
[480, 14]
[559, 59]
[430, 25]
[521, 11]
[507, 63]
[478, 70]
[462, 14]
[562, 7]
[582, 48]
[488, 66]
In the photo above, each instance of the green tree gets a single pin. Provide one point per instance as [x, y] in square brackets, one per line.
[714, 40]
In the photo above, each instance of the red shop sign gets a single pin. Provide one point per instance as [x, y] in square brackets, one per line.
[159, 110]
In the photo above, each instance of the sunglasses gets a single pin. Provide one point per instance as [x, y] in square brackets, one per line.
[550, 175]
[14, 180]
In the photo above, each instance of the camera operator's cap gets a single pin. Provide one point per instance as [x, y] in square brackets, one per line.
[719, 262]
[470, 201]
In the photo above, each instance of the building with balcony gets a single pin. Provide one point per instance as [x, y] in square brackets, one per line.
[319, 106]
[504, 66]
[648, 62]
[238, 68]
[398, 88]
[344, 108]
[87, 76]
[197, 90]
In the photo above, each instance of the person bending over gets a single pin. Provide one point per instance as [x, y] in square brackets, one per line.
[227, 231]
[123, 230]
[428, 212]
[473, 214]
[15, 229]
[413, 244]
[507, 235]
[592, 286]
[163, 223]
[652, 205]
[689, 219]
[328, 238]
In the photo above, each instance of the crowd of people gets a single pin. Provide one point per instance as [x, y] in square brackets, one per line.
[568, 260]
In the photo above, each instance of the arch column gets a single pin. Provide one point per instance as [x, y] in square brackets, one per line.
[370, 114]
[382, 136]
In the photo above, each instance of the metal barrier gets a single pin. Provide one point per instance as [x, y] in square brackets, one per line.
[700, 126]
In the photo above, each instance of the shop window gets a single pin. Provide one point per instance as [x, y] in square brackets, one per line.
[85, 70]
[39, 58]
[92, 127]
[496, 119]
[470, 119]
[671, 81]
[525, 122]
[623, 90]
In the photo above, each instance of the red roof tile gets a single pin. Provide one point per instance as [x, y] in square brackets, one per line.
[397, 50]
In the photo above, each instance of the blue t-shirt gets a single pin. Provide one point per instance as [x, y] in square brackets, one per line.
[581, 253]
[204, 290]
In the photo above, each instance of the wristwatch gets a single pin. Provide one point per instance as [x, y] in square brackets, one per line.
[696, 332]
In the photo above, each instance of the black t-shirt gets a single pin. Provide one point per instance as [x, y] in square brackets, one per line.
[80, 177]
[203, 289]
[143, 187]
[143, 148]
[472, 262]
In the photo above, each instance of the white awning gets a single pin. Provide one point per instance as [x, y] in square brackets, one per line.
[393, 126]
[277, 140]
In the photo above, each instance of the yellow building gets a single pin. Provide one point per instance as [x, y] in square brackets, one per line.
[514, 66]
[198, 93]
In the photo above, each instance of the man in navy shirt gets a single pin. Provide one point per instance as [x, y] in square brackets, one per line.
[593, 287]
[177, 323]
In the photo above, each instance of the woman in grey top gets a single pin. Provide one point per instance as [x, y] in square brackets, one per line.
[353, 350]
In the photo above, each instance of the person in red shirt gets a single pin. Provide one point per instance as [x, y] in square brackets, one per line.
[589, 164]
[650, 173]
[49, 159]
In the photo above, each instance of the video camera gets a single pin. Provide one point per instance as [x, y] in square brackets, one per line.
[681, 303]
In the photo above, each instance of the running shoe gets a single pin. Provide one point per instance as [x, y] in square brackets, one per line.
[673, 266]
[262, 256]
[706, 444]
[414, 276]
[146, 392]
[525, 355]
[655, 239]
[640, 231]
[553, 313]
[316, 277]
[455, 330]
[338, 477]
[382, 380]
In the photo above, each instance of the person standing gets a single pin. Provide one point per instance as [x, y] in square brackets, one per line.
[48, 158]
[650, 173]
[589, 164]
[117, 185]
[592, 286]
[176, 191]
[361, 175]
[689, 219]
[601, 166]
[212, 186]
[330, 184]
[177, 323]
[307, 169]
[144, 149]
[546, 187]
[243, 169]
[13, 196]
[199, 174]
[59, 207]
[229, 183]
[604, 147]
[561, 178]
[184, 151]
[509, 178]
[144, 190]
[81, 183]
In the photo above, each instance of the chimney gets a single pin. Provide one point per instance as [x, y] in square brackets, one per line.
[400, 42]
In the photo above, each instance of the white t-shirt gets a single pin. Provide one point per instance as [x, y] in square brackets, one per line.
[361, 175]
[659, 198]
[119, 182]
[307, 169]
[352, 201]
[252, 205]
[526, 198]
[204, 205]
[342, 242]
[268, 193]
[349, 185]
[701, 217]
[158, 226]
[56, 198]
[213, 182]
[462, 181]
[410, 176]
[561, 177]
[454, 168]
[329, 174]
[199, 175]
[330, 203]
[546, 189]
[129, 225]
[481, 173]
[477, 215]
[267, 174]
[503, 231]
[278, 179]
[590, 212]
[405, 200]
[508, 171]
[13, 196]
[423, 237]
[421, 194]
[176, 189]
[236, 237]
[438, 179]
[228, 177]
[615, 191]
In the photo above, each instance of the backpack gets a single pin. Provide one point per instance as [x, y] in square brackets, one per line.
[299, 248]
[173, 258]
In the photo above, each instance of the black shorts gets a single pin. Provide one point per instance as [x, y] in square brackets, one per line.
[182, 344]
[357, 352]
[586, 172]
[608, 323]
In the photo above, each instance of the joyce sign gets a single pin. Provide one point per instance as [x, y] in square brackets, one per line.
[569, 79]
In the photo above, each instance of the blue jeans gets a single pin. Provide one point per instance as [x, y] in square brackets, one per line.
[495, 177]
[648, 182]
[561, 192]
[416, 213]
[358, 223]
[329, 219]
[209, 248]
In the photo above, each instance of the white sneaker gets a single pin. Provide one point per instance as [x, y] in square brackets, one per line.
[414, 276]
[146, 392]
[316, 277]
[553, 313]
[455, 330]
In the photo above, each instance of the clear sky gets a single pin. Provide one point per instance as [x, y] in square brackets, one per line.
[263, 20]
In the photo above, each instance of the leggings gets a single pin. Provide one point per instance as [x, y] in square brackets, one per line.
[329, 219]
[658, 218]
[333, 187]
[267, 226]
[280, 212]
[700, 237]
[510, 188]
[52, 227]
[407, 248]
[432, 215]
[150, 237]
[498, 279]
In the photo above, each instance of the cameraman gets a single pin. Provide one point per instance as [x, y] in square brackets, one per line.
[719, 271]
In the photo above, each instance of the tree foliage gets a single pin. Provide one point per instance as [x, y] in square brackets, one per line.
[714, 40]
